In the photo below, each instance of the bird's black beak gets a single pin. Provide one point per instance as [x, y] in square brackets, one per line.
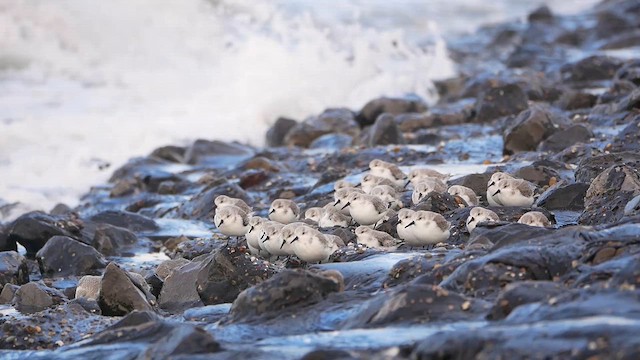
[336, 203]
[420, 195]
[358, 185]
[496, 193]
[409, 224]
[491, 184]
[272, 211]
[407, 183]
[250, 229]
[294, 239]
[345, 205]
[265, 239]
[470, 219]
[283, 242]
[221, 221]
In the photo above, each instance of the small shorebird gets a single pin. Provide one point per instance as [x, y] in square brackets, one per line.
[429, 228]
[388, 170]
[534, 218]
[284, 211]
[467, 194]
[224, 200]
[478, 215]
[514, 192]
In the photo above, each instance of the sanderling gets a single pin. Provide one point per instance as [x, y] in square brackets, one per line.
[365, 209]
[342, 184]
[429, 228]
[370, 181]
[467, 194]
[312, 246]
[231, 220]
[284, 211]
[515, 192]
[492, 186]
[478, 215]
[405, 233]
[341, 197]
[272, 239]
[332, 218]
[417, 175]
[314, 214]
[253, 236]
[388, 170]
[425, 186]
[387, 194]
[224, 200]
[534, 218]
[374, 238]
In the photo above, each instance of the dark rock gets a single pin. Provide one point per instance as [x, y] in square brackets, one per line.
[287, 291]
[593, 68]
[564, 138]
[8, 292]
[170, 153]
[215, 153]
[408, 269]
[628, 139]
[60, 209]
[34, 229]
[410, 304]
[278, 131]
[438, 202]
[108, 239]
[384, 131]
[499, 101]
[127, 220]
[202, 206]
[452, 114]
[530, 128]
[522, 293]
[145, 335]
[590, 167]
[394, 106]
[538, 175]
[564, 197]
[332, 141]
[90, 305]
[120, 293]
[64, 256]
[608, 194]
[630, 72]
[33, 297]
[191, 249]
[208, 314]
[573, 100]
[5, 243]
[226, 272]
[621, 41]
[333, 354]
[179, 289]
[507, 234]
[576, 153]
[542, 14]
[476, 182]
[134, 167]
[13, 268]
[340, 121]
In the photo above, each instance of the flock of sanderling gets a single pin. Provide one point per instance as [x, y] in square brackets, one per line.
[375, 200]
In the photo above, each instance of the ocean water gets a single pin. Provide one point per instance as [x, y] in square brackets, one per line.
[86, 85]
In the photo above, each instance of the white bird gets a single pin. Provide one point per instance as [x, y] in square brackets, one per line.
[430, 228]
[479, 215]
[284, 211]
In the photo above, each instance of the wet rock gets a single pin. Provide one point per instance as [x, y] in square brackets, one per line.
[332, 141]
[202, 206]
[179, 289]
[499, 101]
[530, 128]
[507, 234]
[212, 153]
[127, 220]
[628, 139]
[108, 239]
[408, 269]
[452, 114]
[440, 203]
[5, 243]
[564, 138]
[89, 305]
[170, 153]
[574, 100]
[8, 292]
[393, 106]
[542, 14]
[191, 249]
[145, 335]
[608, 195]
[278, 131]
[564, 196]
[60, 209]
[593, 68]
[34, 229]
[591, 167]
[13, 268]
[226, 272]
[33, 297]
[476, 182]
[64, 256]
[410, 304]
[207, 314]
[287, 291]
[384, 131]
[340, 121]
[521, 293]
[538, 174]
[121, 293]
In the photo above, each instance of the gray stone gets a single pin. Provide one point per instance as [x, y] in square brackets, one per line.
[64, 256]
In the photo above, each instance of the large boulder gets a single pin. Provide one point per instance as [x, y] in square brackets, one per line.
[562, 139]
[530, 128]
[122, 293]
[500, 100]
[277, 132]
[202, 206]
[34, 229]
[384, 131]
[562, 196]
[179, 288]
[33, 297]
[590, 167]
[13, 268]
[125, 219]
[330, 121]
[108, 239]
[394, 106]
[592, 68]
[64, 256]
[608, 195]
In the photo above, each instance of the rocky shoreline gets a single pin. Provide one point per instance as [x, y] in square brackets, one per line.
[140, 270]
